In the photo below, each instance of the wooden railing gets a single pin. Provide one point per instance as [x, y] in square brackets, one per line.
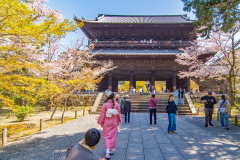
[141, 43]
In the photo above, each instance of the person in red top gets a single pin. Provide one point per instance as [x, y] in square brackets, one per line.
[153, 108]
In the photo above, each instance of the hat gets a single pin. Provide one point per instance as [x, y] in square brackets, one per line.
[117, 96]
[127, 96]
[153, 94]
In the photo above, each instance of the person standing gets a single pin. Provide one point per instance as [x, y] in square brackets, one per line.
[122, 105]
[224, 108]
[134, 90]
[153, 108]
[209, 102]
[127, 109]
[117, 96]
[108, 91]
[109, 119]
[148, 87]
[153, 89]
[181, 96]
[171, 109]
[141, 89]
[176, 93]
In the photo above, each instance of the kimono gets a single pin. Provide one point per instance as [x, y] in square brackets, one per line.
[176, 97]
[110, 124]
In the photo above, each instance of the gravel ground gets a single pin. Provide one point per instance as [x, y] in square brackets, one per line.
[137, 140]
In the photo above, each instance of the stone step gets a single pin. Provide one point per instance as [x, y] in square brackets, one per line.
[144, 103]
[160, 111]
[180, 113]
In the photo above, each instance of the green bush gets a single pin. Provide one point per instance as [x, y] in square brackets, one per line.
[22, 112]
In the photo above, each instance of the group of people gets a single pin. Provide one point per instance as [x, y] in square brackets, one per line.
[110, 117]
[224, 108]
[179, 96]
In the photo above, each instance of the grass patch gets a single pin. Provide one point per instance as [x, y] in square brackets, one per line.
[19, 130]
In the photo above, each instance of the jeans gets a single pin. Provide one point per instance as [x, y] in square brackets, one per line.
[222, 116]
[172, 122]
[153, 111]
[208, 115]
[127, 115]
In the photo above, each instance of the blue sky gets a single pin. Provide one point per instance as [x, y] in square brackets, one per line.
[91, 8]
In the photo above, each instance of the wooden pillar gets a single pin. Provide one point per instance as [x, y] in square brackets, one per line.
[41, 124]
[153, 78]
[110, 79]
[188, 84]
[4, 136]
[131, 78]
[75, 114]
[174, 80]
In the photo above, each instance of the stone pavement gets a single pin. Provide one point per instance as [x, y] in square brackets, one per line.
[137, 140]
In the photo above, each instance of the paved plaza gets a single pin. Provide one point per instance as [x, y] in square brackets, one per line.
[138, 140]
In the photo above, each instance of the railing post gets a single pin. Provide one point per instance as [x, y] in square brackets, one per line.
[198, 111]
[4, 136]
[236, 120]
[62, 118]
[75, 114]
[83, 111]
[41, 124]
[217, 116]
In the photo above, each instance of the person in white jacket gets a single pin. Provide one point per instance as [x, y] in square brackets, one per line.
[223, 109]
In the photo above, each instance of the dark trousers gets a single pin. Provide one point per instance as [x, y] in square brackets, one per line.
[121, 110]
[153, 112]
[127, 116]
[208, 115]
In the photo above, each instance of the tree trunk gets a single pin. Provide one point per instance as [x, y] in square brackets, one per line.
[65, 105]
[48, 107]
[55, 110]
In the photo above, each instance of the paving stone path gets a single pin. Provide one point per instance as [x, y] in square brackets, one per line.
[137, 140]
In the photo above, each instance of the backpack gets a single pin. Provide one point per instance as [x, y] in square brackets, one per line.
[228, 108]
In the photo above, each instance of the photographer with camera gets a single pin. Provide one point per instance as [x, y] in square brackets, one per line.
[209, 102]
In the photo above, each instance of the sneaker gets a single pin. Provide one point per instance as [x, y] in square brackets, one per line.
[210, 124]
[107, 157]
[170, 132]
[206, 125]
[227, 128]
[173, 132]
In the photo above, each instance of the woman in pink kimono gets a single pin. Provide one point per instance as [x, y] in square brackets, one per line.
[109, 119]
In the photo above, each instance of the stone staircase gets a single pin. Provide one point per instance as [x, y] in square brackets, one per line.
[140, 103]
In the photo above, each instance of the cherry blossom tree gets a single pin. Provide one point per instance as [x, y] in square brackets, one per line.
[222, 65]
[75, 69]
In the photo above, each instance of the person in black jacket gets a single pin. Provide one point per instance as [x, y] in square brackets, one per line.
[171, 109]
[209, 102]
[127, 109]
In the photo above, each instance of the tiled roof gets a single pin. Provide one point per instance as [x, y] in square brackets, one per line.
[139, 19]
[137, 52]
